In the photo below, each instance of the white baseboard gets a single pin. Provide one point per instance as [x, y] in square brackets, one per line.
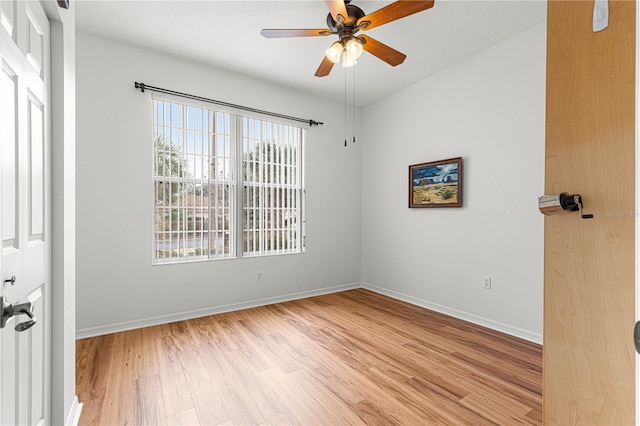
[73, 417]
[164, 319]
[475, 319]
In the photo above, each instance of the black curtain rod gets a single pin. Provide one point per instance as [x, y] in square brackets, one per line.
[143, 87]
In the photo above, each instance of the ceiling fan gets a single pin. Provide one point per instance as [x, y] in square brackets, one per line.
[346, 20]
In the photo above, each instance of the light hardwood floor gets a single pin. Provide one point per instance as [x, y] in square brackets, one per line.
[348, 358]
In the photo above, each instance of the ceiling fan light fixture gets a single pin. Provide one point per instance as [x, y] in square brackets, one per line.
[334, 52]
[354, 48]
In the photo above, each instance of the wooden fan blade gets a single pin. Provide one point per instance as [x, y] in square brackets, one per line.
[337, 8]
[394, 11]
[282, 33]
[382, 51]
[325, 67]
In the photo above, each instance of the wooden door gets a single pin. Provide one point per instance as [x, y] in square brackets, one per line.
[25, 207]
[589, 289]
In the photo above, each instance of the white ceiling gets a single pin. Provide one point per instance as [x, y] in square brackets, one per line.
[227, 34]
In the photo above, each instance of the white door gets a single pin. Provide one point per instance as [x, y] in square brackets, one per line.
[25, 205]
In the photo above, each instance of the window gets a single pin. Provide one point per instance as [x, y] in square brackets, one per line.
[225, 186]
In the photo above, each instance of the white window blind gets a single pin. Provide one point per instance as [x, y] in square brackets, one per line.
[225, 186]
[272, 187]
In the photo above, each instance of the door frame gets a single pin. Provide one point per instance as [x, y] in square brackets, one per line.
[65, 408]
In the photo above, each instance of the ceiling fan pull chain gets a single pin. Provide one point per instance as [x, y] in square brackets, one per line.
[353, 106]
[345, 104]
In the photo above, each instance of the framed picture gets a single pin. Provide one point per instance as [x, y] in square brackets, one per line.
[436, 184]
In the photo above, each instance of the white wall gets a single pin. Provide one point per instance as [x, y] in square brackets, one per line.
[117, 287]
[489, 109]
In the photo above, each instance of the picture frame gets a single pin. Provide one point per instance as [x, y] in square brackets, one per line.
[436, 184]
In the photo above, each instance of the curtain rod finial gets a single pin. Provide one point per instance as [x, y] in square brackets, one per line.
[139, 86]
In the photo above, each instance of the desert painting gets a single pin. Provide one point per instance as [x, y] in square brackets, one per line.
[435, 184]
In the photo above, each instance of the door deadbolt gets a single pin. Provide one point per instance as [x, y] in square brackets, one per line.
[9, 311]
[563, 202]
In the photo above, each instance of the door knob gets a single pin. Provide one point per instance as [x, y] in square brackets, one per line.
[11, 280]
[9, 311]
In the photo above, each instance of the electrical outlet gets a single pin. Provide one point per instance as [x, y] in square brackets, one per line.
[259, 277]
[486, 283]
